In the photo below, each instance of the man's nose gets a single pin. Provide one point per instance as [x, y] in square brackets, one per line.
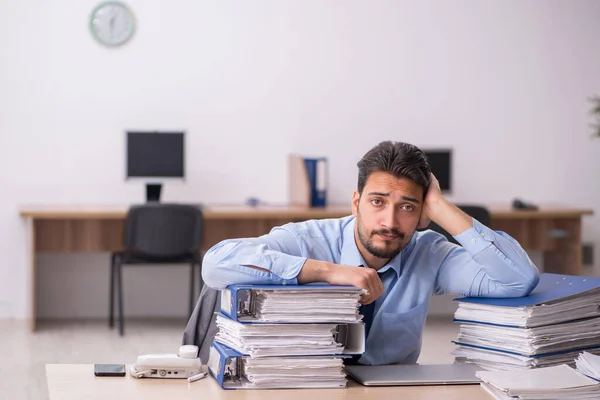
[389, 218]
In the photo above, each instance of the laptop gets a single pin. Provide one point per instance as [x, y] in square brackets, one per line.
[415, 374]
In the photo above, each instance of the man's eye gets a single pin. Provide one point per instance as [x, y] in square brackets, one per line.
[408, 207]
[376, 202]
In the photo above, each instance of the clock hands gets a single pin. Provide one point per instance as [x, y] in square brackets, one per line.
[112, 26]
[112, 23]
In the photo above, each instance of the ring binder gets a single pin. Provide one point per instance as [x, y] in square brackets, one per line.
[308, 181]
[239, 302]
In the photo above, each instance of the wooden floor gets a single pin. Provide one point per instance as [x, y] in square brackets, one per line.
[23, 354]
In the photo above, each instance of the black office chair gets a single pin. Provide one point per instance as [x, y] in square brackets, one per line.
[158, 234]
[480, 213]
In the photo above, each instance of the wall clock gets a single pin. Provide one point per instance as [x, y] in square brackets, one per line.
[112, 23]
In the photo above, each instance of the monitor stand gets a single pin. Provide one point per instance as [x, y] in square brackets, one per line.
[153, 192]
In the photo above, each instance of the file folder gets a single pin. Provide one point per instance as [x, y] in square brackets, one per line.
[555, 353]
[557, 298]
[579, 334]
[308, 181]
[350, 338]
[227, 367]
[224, 365]
[502, 360]
[560, 318]
[238, 302]
[551, 288]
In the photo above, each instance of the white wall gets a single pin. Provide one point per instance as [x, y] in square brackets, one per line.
[504, 83]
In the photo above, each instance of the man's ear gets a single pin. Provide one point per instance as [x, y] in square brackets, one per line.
[355, 200]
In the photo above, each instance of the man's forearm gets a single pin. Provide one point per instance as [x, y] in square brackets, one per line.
[314, 271]
[451, 218]
[251, 261]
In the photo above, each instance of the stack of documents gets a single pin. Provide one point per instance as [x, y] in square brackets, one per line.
[281, 372]
[268, 340]
[552, 383]
[293, 304]
[589, 365]
[551, 326]
[517, 312]
[498, 360]
[272, 336]
[233, 370]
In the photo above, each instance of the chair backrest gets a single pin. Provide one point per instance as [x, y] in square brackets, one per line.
[163, 231]
[480, 213]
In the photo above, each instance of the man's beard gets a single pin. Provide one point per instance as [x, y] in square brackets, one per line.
[380, 252]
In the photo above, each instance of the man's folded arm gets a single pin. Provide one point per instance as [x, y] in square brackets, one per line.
[489, 264]
[275, 258]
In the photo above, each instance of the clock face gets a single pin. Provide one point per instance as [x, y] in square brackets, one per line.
[112, 23]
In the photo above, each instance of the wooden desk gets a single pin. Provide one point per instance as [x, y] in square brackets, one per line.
[556, 231]
[77, 381]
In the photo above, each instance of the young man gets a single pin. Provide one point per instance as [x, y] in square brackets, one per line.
[379, 249]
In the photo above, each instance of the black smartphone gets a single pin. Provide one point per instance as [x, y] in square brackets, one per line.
[109, 369]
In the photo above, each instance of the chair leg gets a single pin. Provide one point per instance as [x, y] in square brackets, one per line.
[119, 274]
[192, 286]
[111, 298]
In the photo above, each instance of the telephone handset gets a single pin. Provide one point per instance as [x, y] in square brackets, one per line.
[182, 365]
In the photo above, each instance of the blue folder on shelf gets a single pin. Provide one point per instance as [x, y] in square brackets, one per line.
[238, 302]
[308, 181]
[316, 169]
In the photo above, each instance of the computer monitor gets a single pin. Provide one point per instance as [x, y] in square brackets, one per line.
[155, 157]
[441, 166]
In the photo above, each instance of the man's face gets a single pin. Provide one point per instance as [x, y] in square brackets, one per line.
[387, 214]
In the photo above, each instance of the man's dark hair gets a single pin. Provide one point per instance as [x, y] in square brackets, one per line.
[402, 160]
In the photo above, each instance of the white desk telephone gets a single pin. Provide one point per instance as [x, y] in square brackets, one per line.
[182, 365]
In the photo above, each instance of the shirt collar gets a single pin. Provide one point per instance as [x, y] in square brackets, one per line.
[351, 256]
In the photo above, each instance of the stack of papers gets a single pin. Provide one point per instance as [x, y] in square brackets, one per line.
[314, 305]
[264, 340]
[552, 312]
[550, 327]
[533, 341]
[589, 365]
[286, 336]
[495, 360]
[298, 372]
[552, 383]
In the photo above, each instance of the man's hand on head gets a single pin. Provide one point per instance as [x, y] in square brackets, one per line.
[432, 199]
[439, 210]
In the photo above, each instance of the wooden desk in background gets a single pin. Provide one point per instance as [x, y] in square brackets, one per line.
[556, 231]
[77, 381]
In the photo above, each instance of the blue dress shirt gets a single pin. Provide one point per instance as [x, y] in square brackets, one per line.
[489, 263]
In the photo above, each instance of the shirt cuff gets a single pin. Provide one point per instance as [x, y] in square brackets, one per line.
[476, 239]
[287, 267]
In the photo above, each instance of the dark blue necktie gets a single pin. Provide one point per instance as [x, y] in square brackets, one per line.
[367, 311]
